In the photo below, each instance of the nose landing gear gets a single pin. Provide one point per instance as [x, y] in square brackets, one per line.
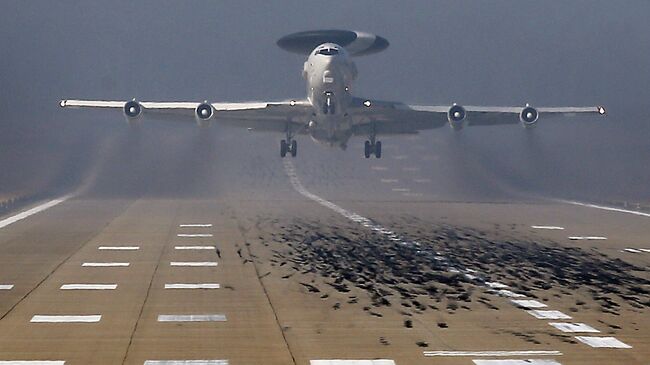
[372, 147]
[291, 147]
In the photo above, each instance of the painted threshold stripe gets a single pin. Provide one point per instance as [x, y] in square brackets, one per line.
[509, 294]
[611, 209]
[20, 216]
[587, 238]
[632, 250]
[496, 285]
[352, 362]
[6, 286]
[192, 318]
[194, 235]
[118, 248]
[173, 263]
[193, 286]
[528, 303]
[603, 342]
[194, 248]
[574, 327]
[195, 225]
[31, 362]
[105, 264]
[492, 353]
[88, 287]
[66, 319]
[548, 227]
[548, 314]
[186, 362]
[516, 362]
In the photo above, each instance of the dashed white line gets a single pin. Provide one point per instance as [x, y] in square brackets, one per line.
[88, 287]
[20, 216]
[194, 248]
[492, 353]
[191, 318]
[587, 238]
[603, 342]
[528, 303]
[66, 318]
[32, 362]
[574, 327]
[352, 362]
[401, 189]
[550, 314]
[194, 235]
[193, 263]
[118, 248]
[193, 286]
[6, 286]
[612, 209]
[516, 362]
[105, 264]
[388, 181]
[195, 225]
[186, 362]
[556, 228]
[379, 168]
[632, 250]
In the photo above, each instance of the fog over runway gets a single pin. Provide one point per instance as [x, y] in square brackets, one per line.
[172, 244]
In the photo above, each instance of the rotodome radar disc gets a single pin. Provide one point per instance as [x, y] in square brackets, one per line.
[355, 42]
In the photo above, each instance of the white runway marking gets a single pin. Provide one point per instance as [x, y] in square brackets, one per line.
[88, 287]
[574, 327]
[193, 286]
[411, 169]
[516, 362]
[548, 227]
[587, 238]
[509, 294]
[645, 249]
[400, 157]
[194, 235]
[352, 362]
[548, 314]
[492, 353]
[388, 181]
[195, 225]
[632, 250]
[6, 286]
[118, 248]
[606, 342]
[401, 189]
[192, 318]
[422, 181]
[496, 285]
[20, 216]
[194, 247]
[66, 319]
[379, 168]
[528, 303]
[207, 263]
[32, 362]
[612, 209]
[186, 362]
[105, 264]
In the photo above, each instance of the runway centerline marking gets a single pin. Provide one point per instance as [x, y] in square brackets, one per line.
[492, 353]
[105, 264]
[194, 235]
[603, 342]
[193, 286]
[193, 263]
[192, 318]
[88, 287]
[66, 318]
[602, 207]
[516, 362]
[574, 327]
[186, 362]
[195, 225]
[194, 248]
[587, 238]
[352, 362]
[37, 209]
[556, 228]
[6, 286]
[118, 248]
[32, 362]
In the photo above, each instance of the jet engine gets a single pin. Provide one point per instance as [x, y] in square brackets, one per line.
[203, 113]
[528, 116]
[132, 111]
[457, 116]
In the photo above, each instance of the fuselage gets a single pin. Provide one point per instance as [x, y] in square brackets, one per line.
[329, 72]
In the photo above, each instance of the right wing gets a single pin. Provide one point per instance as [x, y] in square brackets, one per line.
[258, 116]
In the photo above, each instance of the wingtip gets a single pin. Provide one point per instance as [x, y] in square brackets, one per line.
[602, 110]
[62, 103]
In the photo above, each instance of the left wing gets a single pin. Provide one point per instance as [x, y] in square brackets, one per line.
[263, 116]
[385, 117]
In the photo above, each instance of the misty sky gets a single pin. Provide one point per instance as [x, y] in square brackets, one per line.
[547, 53]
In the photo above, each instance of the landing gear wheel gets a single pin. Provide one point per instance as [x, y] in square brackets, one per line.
[378, 149]
[294, 148]
[370, 148]
[366, 149]
[283, 148]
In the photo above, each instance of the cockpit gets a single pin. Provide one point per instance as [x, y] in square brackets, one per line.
[328, 51]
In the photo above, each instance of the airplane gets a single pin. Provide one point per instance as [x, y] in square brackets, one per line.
[330, 114]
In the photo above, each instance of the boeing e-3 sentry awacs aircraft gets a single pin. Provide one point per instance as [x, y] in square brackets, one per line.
[331, 114]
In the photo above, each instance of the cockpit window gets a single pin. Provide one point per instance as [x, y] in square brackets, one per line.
[328, 51]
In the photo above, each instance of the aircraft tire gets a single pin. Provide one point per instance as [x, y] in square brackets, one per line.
[294, 148]
[378, 149]
[283, 148]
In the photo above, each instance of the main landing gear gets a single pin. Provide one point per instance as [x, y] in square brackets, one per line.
[291, 147]
[372, 147]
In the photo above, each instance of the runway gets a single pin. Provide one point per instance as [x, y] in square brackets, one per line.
[324, 259]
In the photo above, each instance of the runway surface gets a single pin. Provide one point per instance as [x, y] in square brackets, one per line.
[240, 257]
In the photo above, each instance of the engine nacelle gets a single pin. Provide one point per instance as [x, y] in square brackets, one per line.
[457, 117]
[132, 111]
[528, 116]
[203, 113]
